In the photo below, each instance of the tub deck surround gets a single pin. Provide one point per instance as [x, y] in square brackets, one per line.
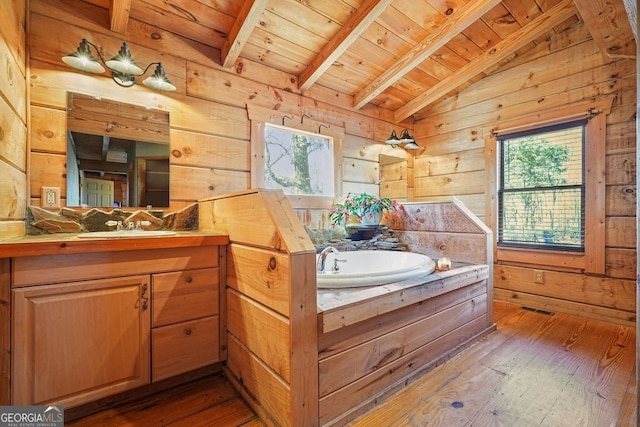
[303, 356]
[374, 341]
[338, 308]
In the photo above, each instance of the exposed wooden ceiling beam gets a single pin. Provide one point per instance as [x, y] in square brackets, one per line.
[533, 30]
[119, 15]
[244, 24]
[609, 26]
[362, 18]
[453, 26]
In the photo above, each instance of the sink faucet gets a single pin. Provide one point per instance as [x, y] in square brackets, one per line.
[323, 257]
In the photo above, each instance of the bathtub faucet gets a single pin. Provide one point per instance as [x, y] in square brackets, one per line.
[323, 257]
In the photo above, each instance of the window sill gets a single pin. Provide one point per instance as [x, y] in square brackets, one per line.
[565, 260]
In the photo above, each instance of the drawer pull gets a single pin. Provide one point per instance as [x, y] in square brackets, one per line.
[144, 298]
[189, 279]
[187, 331]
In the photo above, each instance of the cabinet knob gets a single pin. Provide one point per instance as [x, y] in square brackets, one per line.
[187, 331]
[189, 279]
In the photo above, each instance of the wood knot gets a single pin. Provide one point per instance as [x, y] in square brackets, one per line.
[272, 264]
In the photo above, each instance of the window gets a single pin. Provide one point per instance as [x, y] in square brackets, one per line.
[303, 158]
[298, 162]
[541, 196]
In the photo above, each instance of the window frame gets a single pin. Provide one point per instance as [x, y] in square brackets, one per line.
[259, 117]
[593, 258]
[582, 123]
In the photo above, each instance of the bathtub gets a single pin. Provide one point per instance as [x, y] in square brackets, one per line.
[372, 268]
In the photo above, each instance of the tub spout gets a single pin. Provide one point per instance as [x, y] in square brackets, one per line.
[323, 258]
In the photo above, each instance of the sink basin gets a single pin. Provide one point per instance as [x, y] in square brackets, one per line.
[124, 234]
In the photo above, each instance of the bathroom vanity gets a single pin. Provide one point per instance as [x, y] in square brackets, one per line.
[94, 317]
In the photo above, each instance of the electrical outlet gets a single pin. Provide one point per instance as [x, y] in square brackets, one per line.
[538, 276]
[50, 197]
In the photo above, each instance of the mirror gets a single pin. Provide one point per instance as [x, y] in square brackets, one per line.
[394, 175]
[117, 154]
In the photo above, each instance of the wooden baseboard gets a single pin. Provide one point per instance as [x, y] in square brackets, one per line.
[91, 408]
[610, 315]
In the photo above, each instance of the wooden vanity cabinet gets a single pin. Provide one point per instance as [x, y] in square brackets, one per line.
[86, 326]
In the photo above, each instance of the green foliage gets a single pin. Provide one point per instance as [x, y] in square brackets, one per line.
[541, 210]
[535, 163]
[359, 205]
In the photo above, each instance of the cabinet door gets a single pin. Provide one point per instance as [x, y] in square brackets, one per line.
[77, 342]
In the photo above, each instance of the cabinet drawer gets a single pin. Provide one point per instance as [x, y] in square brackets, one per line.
[183, 347]
[184, 295]
[44, 270]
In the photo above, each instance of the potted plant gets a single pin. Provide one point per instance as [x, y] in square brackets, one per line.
[364, 207]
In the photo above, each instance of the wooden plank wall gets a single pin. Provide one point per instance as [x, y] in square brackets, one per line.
[564, 69]
[13, 118]
[269, 305]
[13, 160]
[210, 130]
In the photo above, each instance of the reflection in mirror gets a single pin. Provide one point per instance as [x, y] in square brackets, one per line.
[394, 174]
[117, 154]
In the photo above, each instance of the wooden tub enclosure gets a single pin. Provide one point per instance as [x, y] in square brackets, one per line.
[302, 356]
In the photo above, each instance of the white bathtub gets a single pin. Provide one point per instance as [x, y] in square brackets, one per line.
[372, 268]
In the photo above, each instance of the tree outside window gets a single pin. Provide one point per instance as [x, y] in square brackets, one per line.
[298, 162]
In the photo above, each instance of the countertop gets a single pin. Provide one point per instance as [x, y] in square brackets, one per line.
[70, 243]
[343, 307]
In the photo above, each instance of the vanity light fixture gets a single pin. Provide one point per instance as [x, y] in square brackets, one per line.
[124, 69]
[406, 141]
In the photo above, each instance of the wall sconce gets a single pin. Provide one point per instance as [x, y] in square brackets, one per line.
[124, 69]
[406, 141]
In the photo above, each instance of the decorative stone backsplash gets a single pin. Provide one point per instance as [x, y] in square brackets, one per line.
[381, 238]
[69, 220]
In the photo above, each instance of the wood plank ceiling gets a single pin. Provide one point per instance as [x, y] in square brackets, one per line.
[403, 55]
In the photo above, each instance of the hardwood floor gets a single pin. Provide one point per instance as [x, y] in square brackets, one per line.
[535, 370]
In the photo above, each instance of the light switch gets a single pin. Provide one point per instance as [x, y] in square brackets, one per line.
[50, 197]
